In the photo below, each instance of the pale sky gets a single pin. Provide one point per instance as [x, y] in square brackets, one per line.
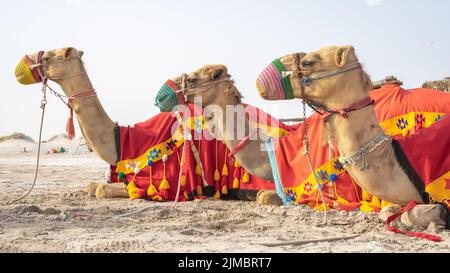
[132, 47]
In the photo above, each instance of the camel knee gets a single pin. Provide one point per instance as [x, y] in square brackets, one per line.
[423, 215]
[104, 191]
[90, 188]
[268, 197]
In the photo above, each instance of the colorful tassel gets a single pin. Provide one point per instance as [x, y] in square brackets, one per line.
[236, 183]
[245, 178]
[151, 191]
[224, 184]
[216, 175]
[183, 180]
[133, 191]
[199, 190]
[164, 184]
[236, 164]
[225, 169]
[236, 175]
[157, 198]
[198, 170]
[217, 195]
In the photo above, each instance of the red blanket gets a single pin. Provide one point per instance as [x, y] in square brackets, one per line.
[154, 138]
[401, 113]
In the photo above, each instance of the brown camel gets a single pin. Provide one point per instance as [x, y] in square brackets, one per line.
[65, 67]
[442, 85]
[350, 134]
[360, 128]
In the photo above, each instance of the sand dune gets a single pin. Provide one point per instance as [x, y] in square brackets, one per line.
[21, 143]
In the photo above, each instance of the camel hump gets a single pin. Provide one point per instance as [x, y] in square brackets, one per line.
[386, 81]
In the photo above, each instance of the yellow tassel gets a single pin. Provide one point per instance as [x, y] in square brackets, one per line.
[151, 191]
[199, 190]
[245, 178]
[217, 195]
[365, 196]
[225, 170]
[216, 175]
[164, 185]
[236, 164]
[186, 195]
[183, 180]
[133, 191]
[366, 207]
[157, 198]
[131, 186]
[198, 170]
[376, 202]
[224, 190]
[236, 183]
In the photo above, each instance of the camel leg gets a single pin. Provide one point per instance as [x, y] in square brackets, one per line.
[104, 191]
[423, 215]
[268, 197]
[90, 188]
[388, 211]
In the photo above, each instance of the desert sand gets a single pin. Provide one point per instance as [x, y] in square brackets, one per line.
[59, 217]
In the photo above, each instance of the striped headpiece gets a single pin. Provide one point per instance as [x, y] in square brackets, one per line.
[25, 74]
[168, 97]
[272, 85]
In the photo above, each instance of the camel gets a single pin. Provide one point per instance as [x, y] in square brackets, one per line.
[65, 67]
[397, 188]
[346, 84]
[441, 85]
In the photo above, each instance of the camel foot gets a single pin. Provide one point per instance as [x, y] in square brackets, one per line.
[423, 215]
[104, 191]
[268, 197]
[419, 216]
[90, 188]
[388, 211]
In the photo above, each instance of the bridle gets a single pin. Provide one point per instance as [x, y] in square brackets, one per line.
[306, 79]
[38, 69]
[203, 88]
[40, 76]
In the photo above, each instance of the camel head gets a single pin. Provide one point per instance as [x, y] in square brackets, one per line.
[211, 83]
[56, 65]
[321, 77]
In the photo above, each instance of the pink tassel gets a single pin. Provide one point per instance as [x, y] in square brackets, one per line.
[70, 128]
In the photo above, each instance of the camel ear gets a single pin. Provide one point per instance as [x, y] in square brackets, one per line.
[217, 73]
[342, 55]
[70, 52]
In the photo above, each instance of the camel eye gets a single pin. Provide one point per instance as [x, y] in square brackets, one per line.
[308, 63]
[192, 80]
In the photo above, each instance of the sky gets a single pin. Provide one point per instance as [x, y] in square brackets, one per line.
[132, 47]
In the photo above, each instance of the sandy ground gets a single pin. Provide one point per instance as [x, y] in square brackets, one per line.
[59, 217]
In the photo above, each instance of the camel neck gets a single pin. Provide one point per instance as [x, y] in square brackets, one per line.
[76, 85]
[95, 124]
[352, 133]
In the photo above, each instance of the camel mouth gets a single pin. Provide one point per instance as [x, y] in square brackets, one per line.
[25, 74]
[169, 97]
[273, 83]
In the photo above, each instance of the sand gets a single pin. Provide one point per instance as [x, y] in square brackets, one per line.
[59, 217]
